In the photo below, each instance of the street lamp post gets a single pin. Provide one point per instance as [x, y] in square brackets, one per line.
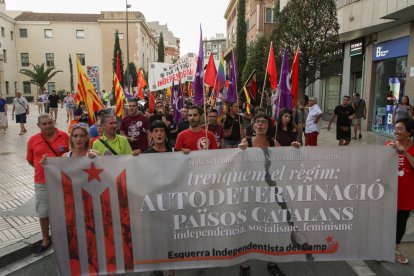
[127, 42]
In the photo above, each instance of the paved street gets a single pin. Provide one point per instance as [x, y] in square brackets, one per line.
[17, 221]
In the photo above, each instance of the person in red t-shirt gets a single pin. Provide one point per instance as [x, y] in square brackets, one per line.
[49, 142]
[404, 130]
[194, 138]
[135, 128]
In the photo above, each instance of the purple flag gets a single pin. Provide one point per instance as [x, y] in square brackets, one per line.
[198, 82]
[177, 103]
[284, 95]
[129, 96]
[231, 95]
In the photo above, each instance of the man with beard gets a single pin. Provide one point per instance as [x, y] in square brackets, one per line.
[195, 137]
[49, 142]
[135, 128]
[215, 128]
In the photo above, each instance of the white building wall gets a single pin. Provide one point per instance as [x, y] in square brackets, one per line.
[63, 43]
[9, 68]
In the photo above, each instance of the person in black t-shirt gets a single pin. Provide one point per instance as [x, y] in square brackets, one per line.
[159, 114]
[53, 104]
[345, 113]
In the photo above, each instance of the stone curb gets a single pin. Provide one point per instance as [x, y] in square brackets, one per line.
[19, 250]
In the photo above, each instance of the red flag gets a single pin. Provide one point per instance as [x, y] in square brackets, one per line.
[151, 104]
[141, 83]
[271, 68]
[118, 67]
[295, 77]
[253, 87]
[211, 72]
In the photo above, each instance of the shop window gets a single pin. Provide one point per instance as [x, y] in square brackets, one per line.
[80, 34]
[389, 88]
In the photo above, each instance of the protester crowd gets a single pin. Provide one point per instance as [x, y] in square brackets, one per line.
[229, 126]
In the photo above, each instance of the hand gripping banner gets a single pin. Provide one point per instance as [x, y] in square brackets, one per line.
[221, 207]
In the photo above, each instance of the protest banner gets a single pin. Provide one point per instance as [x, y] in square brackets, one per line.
[221, 207]
[162, 75]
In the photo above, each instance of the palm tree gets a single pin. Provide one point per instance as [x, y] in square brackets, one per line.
[40, 76]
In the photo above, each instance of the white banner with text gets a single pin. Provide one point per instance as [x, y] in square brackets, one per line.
[221, 207]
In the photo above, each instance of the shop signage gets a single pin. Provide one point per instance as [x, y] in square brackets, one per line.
[391, 49]
[356, 48]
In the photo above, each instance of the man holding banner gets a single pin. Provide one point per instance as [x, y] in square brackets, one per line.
[49, 142]
[195, 138]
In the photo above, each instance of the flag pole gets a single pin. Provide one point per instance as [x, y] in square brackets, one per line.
[265, 78]
[277, 115]
[248, 79]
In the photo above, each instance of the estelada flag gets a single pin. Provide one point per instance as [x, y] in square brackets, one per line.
[141, 83]
[87, 93]
[247, 94]
[118, 67]
[119, 98]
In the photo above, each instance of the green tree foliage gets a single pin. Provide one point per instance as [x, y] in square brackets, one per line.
[133, 72]
[72, 86]
[313, 27]
[257, 60]
[40, 75]
[241, 34]
[161, 49]
[117, 49]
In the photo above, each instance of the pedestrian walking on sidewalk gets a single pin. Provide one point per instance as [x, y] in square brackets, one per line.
[360, 108]
[50, 142]
[345, 113]
[312, 127]
[3, 114]
[21, 109]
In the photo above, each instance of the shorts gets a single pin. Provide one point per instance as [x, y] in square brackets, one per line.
[53, 109]
[42, 201]
[356, 121]
[3, 120]
[342, 133]
[21, 118]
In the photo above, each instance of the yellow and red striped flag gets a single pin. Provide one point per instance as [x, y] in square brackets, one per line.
[87, 93]
[247, 94]
[141, 83]
[119, 98]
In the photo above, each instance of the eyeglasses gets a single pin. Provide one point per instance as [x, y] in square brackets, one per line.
[265, 122]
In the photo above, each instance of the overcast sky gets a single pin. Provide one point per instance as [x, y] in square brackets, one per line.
[183, 16]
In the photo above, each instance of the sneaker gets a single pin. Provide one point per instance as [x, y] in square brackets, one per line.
[42, 249]
[400, 258]
[360, 136]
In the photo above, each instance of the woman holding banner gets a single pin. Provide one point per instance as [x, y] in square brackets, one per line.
[79, 143]
[403, 131]
[264, 138]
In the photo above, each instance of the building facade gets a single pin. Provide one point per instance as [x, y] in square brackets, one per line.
[259, 20]
[378, 55]
[34, 38]
[171, 43]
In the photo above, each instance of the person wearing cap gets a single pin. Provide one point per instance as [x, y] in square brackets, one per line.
[93, 130]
